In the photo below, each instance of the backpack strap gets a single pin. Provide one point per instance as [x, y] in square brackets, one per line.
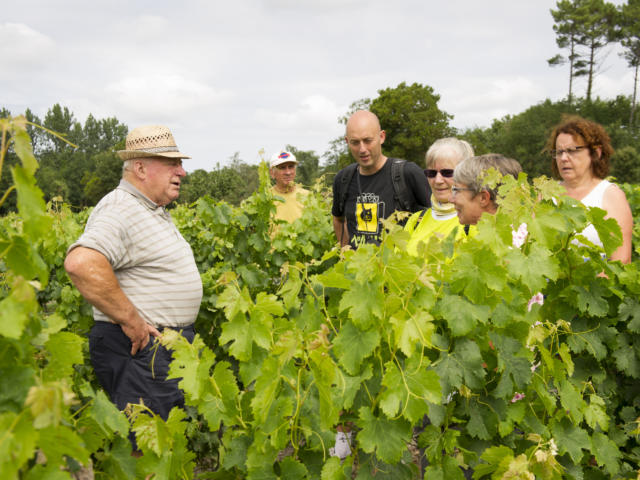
[404, 200]
[345, 181]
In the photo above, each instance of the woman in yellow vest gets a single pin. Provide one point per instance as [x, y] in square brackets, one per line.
[441, 160]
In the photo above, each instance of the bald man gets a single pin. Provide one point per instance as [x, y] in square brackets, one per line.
[364, 192]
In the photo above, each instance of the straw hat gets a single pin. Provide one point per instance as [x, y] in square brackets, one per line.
[150, 141]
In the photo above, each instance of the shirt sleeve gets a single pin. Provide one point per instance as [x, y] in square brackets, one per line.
[106, 232]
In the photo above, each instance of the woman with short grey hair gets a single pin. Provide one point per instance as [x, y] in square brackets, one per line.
[441, 159]
[470, 197]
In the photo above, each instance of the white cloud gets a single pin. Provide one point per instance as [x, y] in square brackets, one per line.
[477, 101]
[162, 96]
[22, 48]
[315, 112]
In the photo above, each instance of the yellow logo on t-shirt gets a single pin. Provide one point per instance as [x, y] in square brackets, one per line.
[367, 217]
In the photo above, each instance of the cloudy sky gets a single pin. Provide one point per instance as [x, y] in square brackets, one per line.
[255, 75]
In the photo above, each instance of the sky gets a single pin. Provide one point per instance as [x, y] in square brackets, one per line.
[250, 77]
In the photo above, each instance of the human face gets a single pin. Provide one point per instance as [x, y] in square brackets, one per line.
[162, 179]
[468, 204]
[574, 168]
[365, 140]
[284, 175]
[441, 186]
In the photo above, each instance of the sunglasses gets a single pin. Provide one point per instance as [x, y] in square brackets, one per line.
[445, 172]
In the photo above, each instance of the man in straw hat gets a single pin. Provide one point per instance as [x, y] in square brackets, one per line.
[135, 268]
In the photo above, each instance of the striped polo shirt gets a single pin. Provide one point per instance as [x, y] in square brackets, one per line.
[153, 263]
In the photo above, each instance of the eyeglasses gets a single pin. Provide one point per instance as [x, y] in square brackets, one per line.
[445, 172]
[571, 151]
[455, 190]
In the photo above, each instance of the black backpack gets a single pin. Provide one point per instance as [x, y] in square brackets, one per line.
[405, 201]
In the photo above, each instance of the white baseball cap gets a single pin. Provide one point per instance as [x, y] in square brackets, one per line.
[282, 157]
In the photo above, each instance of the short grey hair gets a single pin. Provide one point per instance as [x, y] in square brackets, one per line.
[471, 170]
[127, 165]
[443, 147]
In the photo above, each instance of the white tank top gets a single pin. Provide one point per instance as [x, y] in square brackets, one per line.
[594, 199]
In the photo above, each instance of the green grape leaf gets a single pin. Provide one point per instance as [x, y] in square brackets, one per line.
[388, 438]
[290, 290]
[535, 268]
[233, 452]
[191, 362]
[219, 403]
[48, 402]
[477, 426]
[608, 229]
[64, 350]
[233, 301]
[23, 258]
[325, 372]
[266, 388]
[607, 453]
[629, 309]
[334, 278]
[58, 441]
[596, 413]
[333, 470]
[268, 304]
[364, 303]
[625, 356]
[590, 300]
[477, 274]
[17, 443]
[292, 469]
[572, 400]
[15, 381]
[467, 354]
[411, 330]
[36, 223]
[239, 332]
[117, 462]
[495, 458]
[347, 386]
[107, 415]
[16, 308]
[461, 315]
[352, 345]
[24, 150]
[570, 439]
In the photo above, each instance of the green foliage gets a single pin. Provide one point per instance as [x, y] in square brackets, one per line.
[583, 27]
[524, 136]
[79, 165]
[411, 118]
[380, 339]
[296, 337]
[232, 184]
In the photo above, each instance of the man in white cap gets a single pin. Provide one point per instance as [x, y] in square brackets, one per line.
[283, 171]
[135, 268]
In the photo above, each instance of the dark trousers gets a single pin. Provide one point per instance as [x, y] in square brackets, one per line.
[130, 379]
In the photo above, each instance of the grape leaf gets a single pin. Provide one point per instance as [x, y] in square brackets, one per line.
[570, 439]
[388, 438]
[352, 345]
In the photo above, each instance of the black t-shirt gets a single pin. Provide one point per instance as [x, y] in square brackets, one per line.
[371, 198]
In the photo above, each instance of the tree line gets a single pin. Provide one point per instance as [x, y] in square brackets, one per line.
[409, 113]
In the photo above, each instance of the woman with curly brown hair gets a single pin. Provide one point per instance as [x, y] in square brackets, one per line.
[580, 151]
